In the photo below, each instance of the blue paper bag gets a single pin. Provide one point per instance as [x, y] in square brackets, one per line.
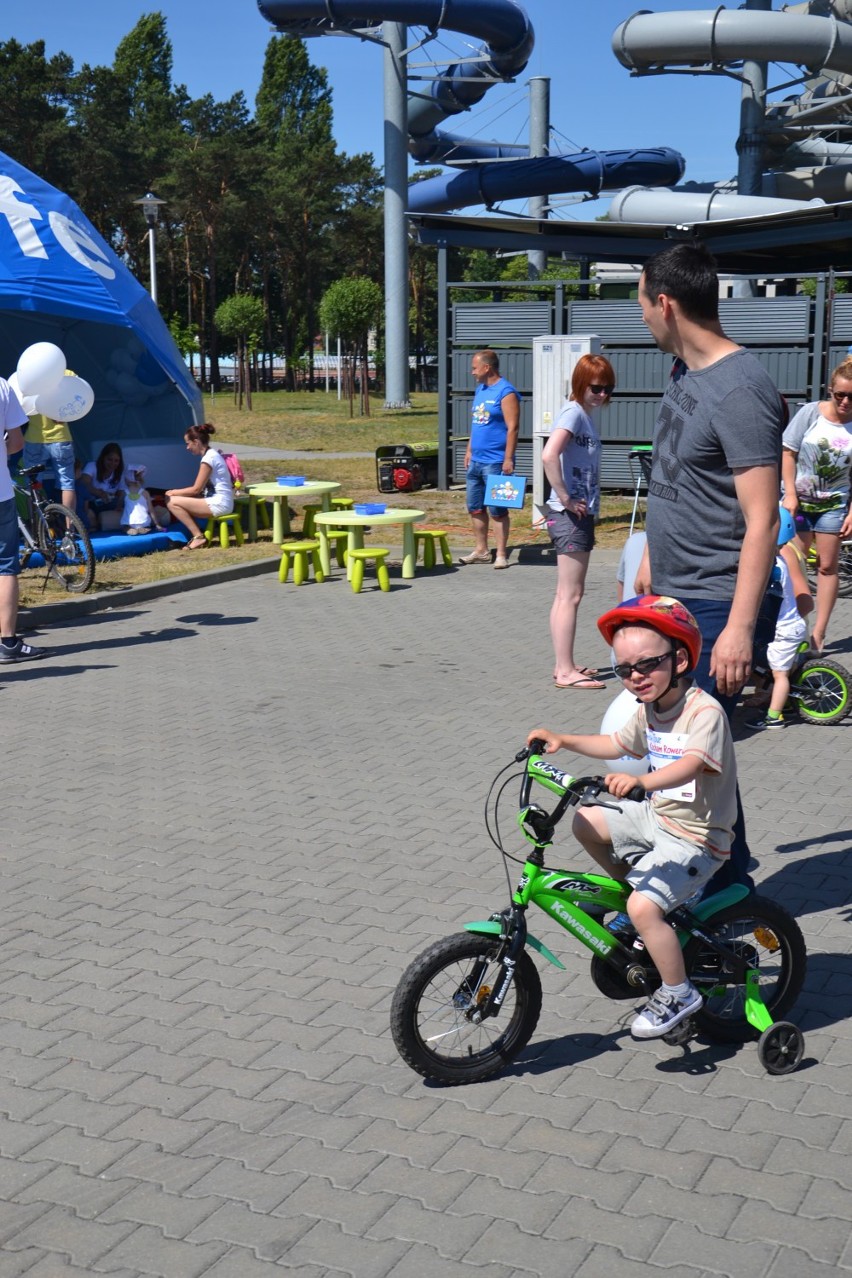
[505, 490]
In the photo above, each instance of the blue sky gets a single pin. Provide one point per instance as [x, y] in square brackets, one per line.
[219, 47]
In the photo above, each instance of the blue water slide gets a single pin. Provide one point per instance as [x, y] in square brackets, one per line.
[591, 171]
[508, 38]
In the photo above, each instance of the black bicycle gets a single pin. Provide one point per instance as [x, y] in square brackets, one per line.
[54, 532]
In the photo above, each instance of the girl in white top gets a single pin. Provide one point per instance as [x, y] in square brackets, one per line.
[571, 459]
[211, 494]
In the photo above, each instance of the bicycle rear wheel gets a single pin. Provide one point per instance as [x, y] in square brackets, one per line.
[821, 691]
[67, 550]
[769, 939]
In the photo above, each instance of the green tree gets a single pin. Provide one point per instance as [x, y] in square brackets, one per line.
[350, 307]
[34, 125]
[240, 319]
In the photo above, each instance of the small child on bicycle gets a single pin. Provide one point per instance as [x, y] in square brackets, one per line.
[669, 846]
[791, 629]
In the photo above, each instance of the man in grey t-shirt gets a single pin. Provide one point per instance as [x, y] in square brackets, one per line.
[712, 517]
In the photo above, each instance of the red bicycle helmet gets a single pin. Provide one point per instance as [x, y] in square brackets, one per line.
[661, 613]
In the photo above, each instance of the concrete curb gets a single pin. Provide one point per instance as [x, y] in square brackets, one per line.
[86, 605]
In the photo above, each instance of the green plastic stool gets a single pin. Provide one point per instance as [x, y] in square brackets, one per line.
[308, 513]
[244, 502]
[360, 557]
[300, 552]
[224, 522]
[340, 537]
[429, 537]
[342, 503]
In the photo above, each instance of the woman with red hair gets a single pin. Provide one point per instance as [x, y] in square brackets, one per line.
[572, 460]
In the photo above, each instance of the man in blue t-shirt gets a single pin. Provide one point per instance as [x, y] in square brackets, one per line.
[490, 451]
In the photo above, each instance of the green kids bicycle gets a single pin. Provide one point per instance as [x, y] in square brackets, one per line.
[469, 1004]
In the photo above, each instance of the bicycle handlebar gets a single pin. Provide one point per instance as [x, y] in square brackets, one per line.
[578, 788]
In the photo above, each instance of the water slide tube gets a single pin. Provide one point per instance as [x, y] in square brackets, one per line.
[654, 41]
[508, 39]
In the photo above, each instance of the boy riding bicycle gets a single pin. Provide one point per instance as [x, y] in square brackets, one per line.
[668, 847]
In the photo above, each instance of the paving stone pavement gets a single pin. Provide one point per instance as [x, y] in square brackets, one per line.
[238, 814]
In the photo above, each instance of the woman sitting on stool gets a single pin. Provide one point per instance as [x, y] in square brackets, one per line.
[212, 493]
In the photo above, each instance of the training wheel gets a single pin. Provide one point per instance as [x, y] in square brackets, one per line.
[781, 1047]
[680, 1034]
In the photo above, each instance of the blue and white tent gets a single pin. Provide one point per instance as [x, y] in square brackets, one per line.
[61, 282]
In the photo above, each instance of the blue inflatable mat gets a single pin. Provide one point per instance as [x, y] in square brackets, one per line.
[119, 546]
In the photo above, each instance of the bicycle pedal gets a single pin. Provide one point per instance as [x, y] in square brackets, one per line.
[681, 1033]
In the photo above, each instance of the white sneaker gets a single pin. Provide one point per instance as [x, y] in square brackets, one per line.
[664, 1011]
[476, 557]
[501, 562]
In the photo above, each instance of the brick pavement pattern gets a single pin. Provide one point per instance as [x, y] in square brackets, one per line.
[233, 817]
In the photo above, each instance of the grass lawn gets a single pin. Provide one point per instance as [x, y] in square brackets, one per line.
[319, 423]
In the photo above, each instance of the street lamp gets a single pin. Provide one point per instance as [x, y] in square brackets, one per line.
[151, 206]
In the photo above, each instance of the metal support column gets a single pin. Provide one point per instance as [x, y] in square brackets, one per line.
[396, 233]
[444, 441]
[539, 145]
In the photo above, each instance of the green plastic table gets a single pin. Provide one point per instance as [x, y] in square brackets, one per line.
[281, 494]
[355, 525]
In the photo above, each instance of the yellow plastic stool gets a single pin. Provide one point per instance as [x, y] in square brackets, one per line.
[224, 529]
[428, 537]
[300, 552]
[360, 557]
[342, 503]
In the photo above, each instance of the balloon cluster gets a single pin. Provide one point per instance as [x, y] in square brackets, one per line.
[135, 374]
[44, 384]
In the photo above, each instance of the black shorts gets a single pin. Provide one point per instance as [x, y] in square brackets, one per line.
[571, 534]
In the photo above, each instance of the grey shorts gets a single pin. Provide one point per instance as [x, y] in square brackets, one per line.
[570, 534]
[665, 868]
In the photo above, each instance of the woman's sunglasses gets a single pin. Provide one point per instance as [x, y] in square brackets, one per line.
[839, 396]
[597, 389]
[644, 667]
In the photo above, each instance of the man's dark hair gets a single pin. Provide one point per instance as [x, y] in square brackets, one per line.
[687, 273]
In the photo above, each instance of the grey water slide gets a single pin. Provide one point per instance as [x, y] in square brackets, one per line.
[800, 169]
[508, 39]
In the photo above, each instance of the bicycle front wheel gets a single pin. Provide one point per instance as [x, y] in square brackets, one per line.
[769, 939]
[435, 1007]
[67, 550]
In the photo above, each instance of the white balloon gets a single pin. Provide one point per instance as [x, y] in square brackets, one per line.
[617, 714]
[27, 402]
[67, 402]
[40, 368]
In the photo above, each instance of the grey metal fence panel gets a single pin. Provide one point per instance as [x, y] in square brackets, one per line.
[629, 418]
[639, 370]
[756, 321]
[500, 323]
[840, 328]
[617, 322]
[515, 365]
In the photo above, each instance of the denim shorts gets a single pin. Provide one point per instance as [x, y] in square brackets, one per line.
[477, 473]
[570, 534]
[9, 539]
[826, 521]
[59, 458]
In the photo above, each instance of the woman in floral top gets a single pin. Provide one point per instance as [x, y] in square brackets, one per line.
[815, 467]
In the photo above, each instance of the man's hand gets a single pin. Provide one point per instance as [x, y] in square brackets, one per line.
[509, 466]
[730, 660]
